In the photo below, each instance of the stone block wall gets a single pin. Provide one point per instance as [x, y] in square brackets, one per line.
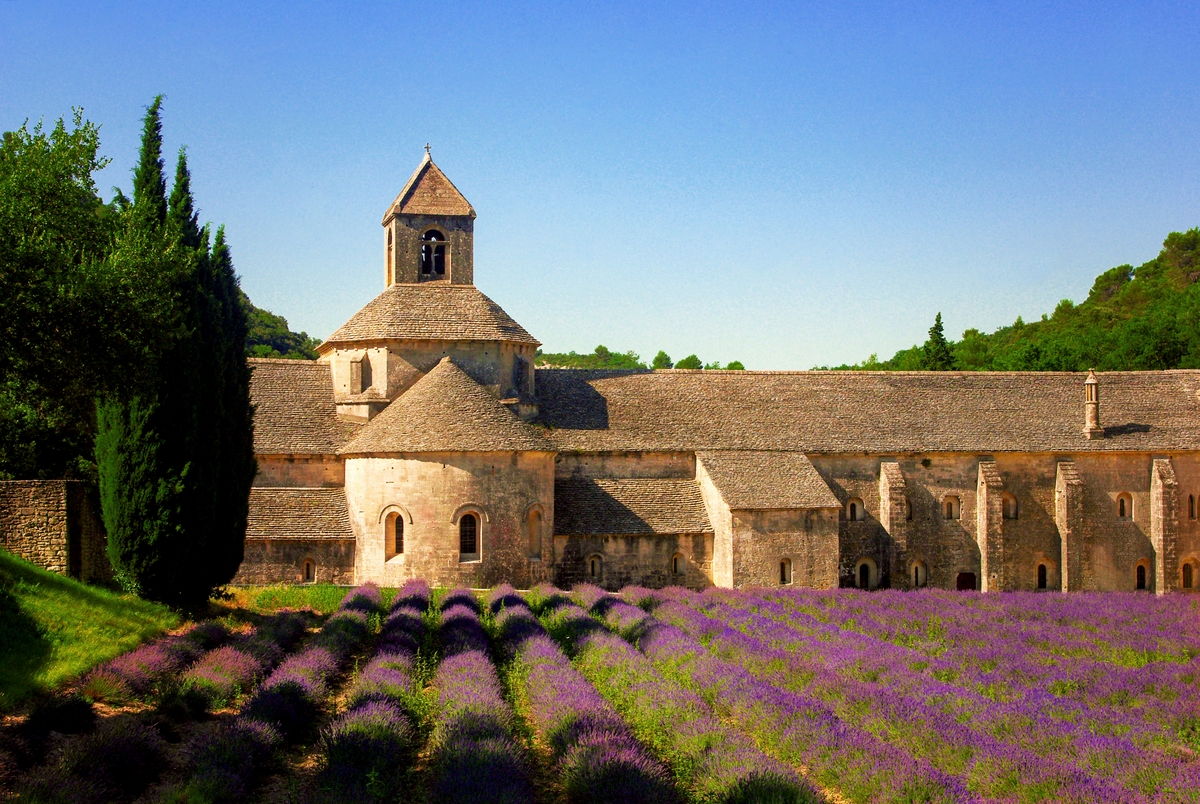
[270, 561]
[642, 560]
[54, 524]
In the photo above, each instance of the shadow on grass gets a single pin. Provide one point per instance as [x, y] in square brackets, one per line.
[26, 650]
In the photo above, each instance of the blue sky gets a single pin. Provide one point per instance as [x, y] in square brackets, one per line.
[789, 185]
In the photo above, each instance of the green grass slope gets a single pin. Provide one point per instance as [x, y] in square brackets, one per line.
[53, 628]
[1132, 319]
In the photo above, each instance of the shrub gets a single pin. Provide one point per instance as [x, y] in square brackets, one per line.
[221, 676]
[365, 598]
[114, 764]
[368, 749]
[227, 762]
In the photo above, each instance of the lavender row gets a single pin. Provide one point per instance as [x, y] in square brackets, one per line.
[997, 752]
[151, 669]
[594, 756]
[369, 750]
[228, 762]
[474, 757]
[710, 762]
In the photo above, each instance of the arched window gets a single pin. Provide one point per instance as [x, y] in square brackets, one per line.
[468, 537]
[1010, 506]
[595, 567]
[389, 257]
[920, 575]
[678, 564]
[785, 571]
[865, 574]
[535, 534]
[908, 510]
[864, 577]
[1141, 577]
[855, 510]
[1041, 576]
[1191, 506]
[310, 571]
[950, 507]
[1124, 506]
[433, 253]
[1189, 576]
[393, 535]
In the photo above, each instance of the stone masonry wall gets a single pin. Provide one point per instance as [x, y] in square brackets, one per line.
[270, 561]
[55, 525]
[643, 560]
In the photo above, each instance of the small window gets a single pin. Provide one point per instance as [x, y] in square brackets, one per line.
[854, 509]
[785, 571]
[965, 582]
[535, 534]
[1041, 576]
[1124, 506]
[678, 564]
[1141, 577]
[908, 510]
[595, 567]
[865, 575]
[1010, 507]
[393, 535]
[433, 254]
[920, 575]
[520, 375]
[310, 571]
[1189, 576]
[389, 253]
[468, 535]
[1191, 506]
[950, 507]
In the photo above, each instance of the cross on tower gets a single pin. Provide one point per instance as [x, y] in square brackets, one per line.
[427, 149]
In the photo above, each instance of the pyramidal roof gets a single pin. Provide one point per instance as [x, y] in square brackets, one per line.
[430, 311]
[446, 411]
[429, 192]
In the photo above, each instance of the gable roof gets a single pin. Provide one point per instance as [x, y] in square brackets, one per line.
[870, 412]
[429, 192]
[294, 413]
[298, 513]
[638, 506]
[445, 411]
[430, 311]
[760, 480]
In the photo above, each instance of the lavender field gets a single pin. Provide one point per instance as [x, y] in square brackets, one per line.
[420, 695]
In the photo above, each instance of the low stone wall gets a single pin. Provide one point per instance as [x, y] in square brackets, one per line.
[269, 561]
[54, 524]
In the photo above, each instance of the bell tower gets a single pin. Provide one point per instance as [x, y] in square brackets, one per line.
[429, 231]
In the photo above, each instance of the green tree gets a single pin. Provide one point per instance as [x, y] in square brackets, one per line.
[662, 360]
[735, 365]
[937, 355]
[690, 362]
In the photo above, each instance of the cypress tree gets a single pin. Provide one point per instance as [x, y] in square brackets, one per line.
[937, 355]
[149, 183]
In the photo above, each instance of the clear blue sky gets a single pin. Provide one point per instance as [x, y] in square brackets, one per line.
[790, 186]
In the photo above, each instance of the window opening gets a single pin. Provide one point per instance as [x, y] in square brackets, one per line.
[855, 510]
[310, 572]
[1124, 506]
[1187, 576]
[920, 575]
[1141, 577]
[433, 253]
[520, 373]
[785, 571]
[1191, 506]
[1041, 577]
[908, 510]
[468, 534]
[1010, 507]
[864, 576]
[950, 507]
[594, 567]
[535, 534]
[394, 535]
[389, 253]
[965, 582]
[677, 566]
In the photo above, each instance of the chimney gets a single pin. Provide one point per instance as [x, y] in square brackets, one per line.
[1091, 407]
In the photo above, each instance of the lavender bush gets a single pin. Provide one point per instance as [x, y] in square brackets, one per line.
[114, 764]
[147, 669]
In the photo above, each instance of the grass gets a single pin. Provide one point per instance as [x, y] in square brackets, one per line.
[322, 598]
[53, 628]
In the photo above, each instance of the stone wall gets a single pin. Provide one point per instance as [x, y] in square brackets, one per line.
[808, 538]
[270, 561]
[54, 524]
[642, 560]
[300, 471]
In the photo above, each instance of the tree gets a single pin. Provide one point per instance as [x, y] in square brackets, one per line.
[174, 456]
[937, 355]
[662, 360]
[689, 362]
[735, 365]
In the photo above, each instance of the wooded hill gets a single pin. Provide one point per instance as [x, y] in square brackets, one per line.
[1132, 319]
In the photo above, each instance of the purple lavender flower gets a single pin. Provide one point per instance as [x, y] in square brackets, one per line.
[370, 747]
[366, 599]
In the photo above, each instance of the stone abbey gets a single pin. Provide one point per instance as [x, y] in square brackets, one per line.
[425, 443]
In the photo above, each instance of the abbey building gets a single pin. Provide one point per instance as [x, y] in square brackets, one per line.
[424, 443]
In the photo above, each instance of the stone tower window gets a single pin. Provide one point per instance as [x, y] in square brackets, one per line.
[433, 254]
[785, 571]
[595, 567]
[389, 257]
[678, 564]
[920, 575]
[1189, 576]
[394, 536]
[1010, 507]
[1141, 577]
[1124, 506]
[951, 508]
[310, 571]
[468, 537]
[855, 510]
[1041, 576]
[865, 574]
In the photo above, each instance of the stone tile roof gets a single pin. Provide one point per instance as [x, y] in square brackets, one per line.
[298, 513]
[585, 505]
[874, 412]
[758, 480]
[429, 192]
[430, 311]
[294, 411]
[446, 411]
